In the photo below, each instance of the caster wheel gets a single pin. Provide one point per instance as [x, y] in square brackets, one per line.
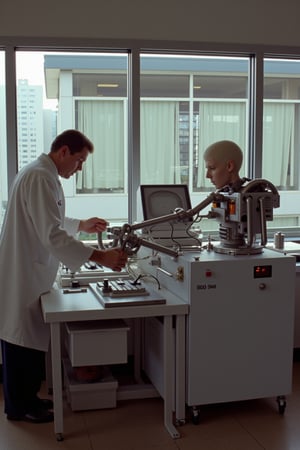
[281, 405]
[195, 416]
[180, 422]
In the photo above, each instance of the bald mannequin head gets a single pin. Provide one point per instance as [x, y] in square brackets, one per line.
[223, 161]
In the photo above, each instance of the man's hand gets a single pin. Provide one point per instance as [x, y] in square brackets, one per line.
[114, 258]
[93, 225]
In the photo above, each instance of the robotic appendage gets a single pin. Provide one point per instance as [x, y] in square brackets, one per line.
[242, 215]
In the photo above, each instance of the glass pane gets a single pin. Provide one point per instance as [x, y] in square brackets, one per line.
[281, 123]
[187, 103]
[220, 111]
[164, 86]
[281, 137]
[36, 112]
[100, 85]
[3, 152]
[281, 79]
[86, 91]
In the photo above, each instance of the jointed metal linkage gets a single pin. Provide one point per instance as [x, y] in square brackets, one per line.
[131, 243]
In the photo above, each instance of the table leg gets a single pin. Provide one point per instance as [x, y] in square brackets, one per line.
[57, 380]
[137, 335]
[169, 365]
[180, 370]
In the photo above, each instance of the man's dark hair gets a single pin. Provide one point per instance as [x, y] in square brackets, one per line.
[74, 139]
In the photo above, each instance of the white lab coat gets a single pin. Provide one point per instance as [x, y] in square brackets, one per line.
[35, 237]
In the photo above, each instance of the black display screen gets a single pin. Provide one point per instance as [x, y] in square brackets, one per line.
[262, 271]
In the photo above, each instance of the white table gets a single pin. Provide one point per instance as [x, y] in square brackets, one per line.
[58, 308]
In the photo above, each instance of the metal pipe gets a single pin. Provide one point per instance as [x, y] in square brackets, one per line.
[249, 203]
[181, 215]
[263, 225]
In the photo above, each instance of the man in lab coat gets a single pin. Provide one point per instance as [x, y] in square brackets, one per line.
[35, 237]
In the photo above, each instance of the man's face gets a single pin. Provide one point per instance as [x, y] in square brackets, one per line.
[71, 163]
[217, 172]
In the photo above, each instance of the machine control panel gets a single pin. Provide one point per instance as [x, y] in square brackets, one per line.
[120, 288]
[120, 293]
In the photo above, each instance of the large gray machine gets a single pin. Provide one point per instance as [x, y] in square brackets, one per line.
[241, 297]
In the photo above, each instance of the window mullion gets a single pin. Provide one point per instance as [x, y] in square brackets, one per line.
[133, 132]
[255, 95]
[11, 114]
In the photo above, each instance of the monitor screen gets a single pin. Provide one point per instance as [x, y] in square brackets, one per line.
[162, 199]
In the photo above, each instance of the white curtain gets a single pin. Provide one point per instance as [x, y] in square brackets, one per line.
[219, 121]
[160, 159]
[103, 122]
[278, 143]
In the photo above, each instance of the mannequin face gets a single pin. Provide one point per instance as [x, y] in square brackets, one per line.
[219, 173]
[223, 160]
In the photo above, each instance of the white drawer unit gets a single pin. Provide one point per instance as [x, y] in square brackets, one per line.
[98, 342]
[86, 396]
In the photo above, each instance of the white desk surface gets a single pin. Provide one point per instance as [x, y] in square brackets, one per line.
[60, 307]
[288, 247]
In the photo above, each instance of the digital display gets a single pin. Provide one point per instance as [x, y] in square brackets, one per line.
[262, 271]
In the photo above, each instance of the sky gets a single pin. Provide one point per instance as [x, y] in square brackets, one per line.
[29, 66]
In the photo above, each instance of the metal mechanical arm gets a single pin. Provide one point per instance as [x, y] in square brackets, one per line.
[130, 242]
[242, 214]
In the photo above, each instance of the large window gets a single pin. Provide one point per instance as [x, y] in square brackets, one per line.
[151, 114]
[281, 133]
[86, 91]
[187, 103]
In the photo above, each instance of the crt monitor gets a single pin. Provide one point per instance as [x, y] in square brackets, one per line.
[161, 199]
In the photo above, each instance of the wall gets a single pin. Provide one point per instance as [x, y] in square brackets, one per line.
[230, 21]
